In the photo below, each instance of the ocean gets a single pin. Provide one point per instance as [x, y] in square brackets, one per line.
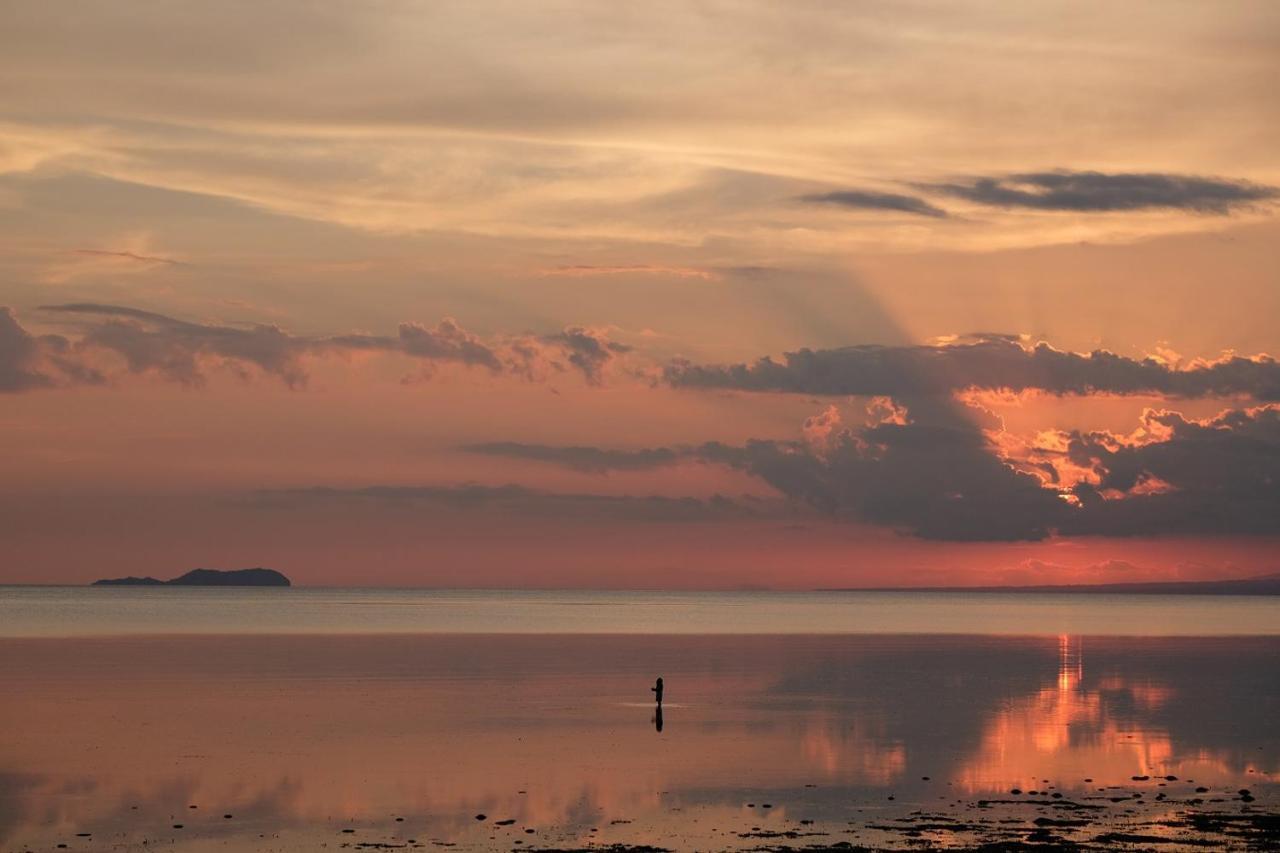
[109, 611]
[201, 719]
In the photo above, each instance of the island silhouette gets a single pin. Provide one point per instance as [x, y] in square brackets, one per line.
[207, 577]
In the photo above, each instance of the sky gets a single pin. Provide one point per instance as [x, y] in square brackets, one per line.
[690, 294]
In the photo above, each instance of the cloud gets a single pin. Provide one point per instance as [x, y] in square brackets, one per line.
[587, 350]
[19, 354]
[591, 459]
[865, 200]
[128, 256]
[1099, 191]
[925, 468]
[991, 362]
[176, 349]
[592, 270]
[29, 362]
[182, 351]
[1178, 475]
[935, 477]
[513, 498]
[1035, 572]
[590, 143]
[447, 342]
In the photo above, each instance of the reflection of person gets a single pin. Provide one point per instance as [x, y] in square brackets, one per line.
[657, 718]
[657, 690]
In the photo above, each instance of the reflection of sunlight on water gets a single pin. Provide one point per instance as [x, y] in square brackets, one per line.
[1068, 732]
[1070, 664]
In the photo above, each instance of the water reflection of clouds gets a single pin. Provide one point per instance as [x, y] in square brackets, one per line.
[993, 717]
[528, 738]
[16, 798]
[858, 749]
[65, 806]
[1073, 731]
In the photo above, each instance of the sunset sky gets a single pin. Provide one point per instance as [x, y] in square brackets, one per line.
[689, 294]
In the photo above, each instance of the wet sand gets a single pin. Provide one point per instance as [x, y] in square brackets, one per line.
[549, 742]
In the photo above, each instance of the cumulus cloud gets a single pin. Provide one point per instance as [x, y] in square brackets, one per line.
[990, 362]
[1180, 475]
[934, 477]
[182, 351]
[935, 481]
[18, 357]
[929, 469]
[866, 200]
[587, 350]
[29, 362]
[176, 349]
[447, 342]
[1100, 191]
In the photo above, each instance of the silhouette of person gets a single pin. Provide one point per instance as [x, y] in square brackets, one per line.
[657, 718]
[657, 690]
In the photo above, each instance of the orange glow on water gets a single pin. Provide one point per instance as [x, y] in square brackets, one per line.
[1068, 732]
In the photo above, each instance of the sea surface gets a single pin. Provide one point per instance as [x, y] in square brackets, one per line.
[107, 611]
[303, 719]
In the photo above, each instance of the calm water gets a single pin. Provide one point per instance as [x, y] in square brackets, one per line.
[396, 718]
[80, 611]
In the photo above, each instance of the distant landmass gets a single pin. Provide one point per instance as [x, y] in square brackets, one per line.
[1262, 585]
[207, 577]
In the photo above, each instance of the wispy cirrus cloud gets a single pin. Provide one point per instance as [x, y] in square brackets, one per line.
[128, 256]
[131, 253]
[593, 270]
[868, 200]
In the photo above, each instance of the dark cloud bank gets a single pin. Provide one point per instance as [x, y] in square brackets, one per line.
[938, 476]
[1100, 191]
[182, 351]
[1066, 190]
[929, 465]
[989, 362]
[866, 200]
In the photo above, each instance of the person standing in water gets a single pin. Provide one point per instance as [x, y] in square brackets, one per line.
[657, 710]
